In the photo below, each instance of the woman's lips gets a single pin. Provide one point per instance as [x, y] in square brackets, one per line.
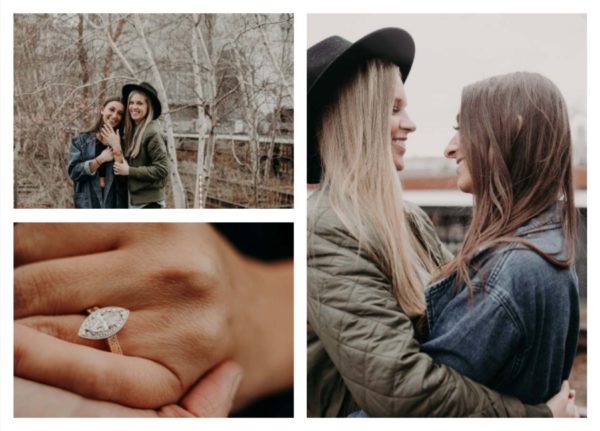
[399, 143]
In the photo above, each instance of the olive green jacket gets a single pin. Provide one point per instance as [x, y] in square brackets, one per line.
[148, 171]
[362, 351]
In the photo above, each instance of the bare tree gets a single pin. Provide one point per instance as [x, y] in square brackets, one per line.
[176, 184]
[229, 75]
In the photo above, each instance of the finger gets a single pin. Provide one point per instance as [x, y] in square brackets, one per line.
[174, 411]
[213, 395]
[137, 338]
[33, 399]
[71, 285]
[64, 327]
[131, 381]
[36, 242]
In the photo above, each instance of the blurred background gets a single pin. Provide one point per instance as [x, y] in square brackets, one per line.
[226, 86]
[454, 50]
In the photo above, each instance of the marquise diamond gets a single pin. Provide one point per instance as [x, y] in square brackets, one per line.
[103, 323]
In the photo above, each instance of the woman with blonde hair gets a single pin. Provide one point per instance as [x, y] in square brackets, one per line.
[370, 253]
[146, 164]
[505, 310]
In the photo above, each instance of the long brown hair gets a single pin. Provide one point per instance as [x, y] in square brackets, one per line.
[362, 182]
[515, 136]
[98, 122]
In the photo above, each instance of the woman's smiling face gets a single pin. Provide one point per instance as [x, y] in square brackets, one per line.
[454, 150]
[112, 113]
[138, 107]
[400, 125]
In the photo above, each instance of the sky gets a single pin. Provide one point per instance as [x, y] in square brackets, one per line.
[454, 50]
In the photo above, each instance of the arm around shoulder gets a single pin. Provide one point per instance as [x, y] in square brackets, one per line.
[372, 342]
[158, 169]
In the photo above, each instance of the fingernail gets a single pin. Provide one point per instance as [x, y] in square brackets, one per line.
[235, 385]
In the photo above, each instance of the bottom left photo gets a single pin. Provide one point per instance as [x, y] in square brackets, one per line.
[153, 320]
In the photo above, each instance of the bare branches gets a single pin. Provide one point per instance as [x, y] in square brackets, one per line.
[217, 75]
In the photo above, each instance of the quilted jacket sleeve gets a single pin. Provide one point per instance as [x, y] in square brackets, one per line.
[158, 168]
[371, 341]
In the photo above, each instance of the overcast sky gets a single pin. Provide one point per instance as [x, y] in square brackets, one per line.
[455, 50]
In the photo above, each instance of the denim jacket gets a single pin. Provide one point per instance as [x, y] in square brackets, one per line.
[87, 192]
[518, 334]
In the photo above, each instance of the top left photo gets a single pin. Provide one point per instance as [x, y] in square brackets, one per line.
[153, 111]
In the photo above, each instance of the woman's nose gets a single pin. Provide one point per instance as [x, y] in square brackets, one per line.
[451, 148]
[408, 124]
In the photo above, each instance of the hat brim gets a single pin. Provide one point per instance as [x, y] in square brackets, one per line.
[156, 106]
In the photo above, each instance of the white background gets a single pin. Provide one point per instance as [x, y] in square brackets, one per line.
[298, 215]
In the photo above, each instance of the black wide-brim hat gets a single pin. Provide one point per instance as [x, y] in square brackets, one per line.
[331, 61]
[149, 91]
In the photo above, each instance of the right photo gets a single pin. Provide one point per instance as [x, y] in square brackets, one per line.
[447, 215]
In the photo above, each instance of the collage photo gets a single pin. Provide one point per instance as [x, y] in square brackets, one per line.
[369, 211]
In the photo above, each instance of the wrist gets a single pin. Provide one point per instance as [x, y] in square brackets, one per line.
[264, 338]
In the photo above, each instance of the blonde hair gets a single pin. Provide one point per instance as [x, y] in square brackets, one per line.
[133, 134]
[514, 131]
[364, 189]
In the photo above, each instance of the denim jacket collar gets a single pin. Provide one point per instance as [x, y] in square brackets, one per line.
[548, 220]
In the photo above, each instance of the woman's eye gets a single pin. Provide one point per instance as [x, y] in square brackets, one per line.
[456, 127]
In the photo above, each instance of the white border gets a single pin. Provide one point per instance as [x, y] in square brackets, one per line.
[297, 215]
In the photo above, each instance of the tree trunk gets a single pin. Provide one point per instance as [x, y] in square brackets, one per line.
[203, 120]
[177, 188]
[108, 58]
[85, 71]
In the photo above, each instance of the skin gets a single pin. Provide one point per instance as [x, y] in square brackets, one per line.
[211, 397]
[112, 113]
[111, 137]
[563, 403]
[138, 107]
[194, 301]
[400, 125]
[455, 151]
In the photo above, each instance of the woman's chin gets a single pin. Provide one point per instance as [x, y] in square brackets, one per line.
[465, 185]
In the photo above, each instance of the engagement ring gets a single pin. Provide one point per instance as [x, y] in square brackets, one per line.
[104, 323]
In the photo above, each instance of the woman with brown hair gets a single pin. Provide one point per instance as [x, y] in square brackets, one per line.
[505, 310]
[91, 159]
[370, 253]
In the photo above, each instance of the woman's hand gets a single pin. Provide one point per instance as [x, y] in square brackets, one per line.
[105, 156]
[121, 168]
[111, 137]
[211, 397]
[562, 404]
[193, 301]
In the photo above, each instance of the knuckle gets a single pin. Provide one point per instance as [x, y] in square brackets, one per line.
[189, 276]
[24, 245]
[32, 288]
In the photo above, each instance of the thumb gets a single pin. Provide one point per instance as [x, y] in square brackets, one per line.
[214, 393]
